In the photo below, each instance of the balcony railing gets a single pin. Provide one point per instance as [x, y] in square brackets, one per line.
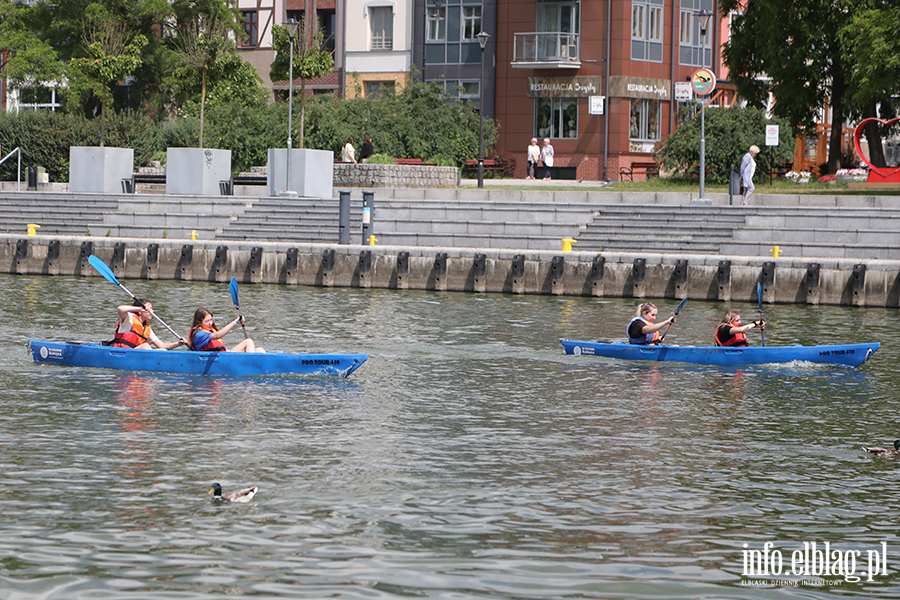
[546, 50]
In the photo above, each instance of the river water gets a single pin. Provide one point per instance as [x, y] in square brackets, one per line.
[468, 458]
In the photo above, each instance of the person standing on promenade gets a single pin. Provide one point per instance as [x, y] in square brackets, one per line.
[547, 157]
[534, 157]
[347, 152]
[748, 168]
[367, 149]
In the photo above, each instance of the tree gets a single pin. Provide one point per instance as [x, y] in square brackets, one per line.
[792, 48]
[112, 55]
[199, 44]
[27, 60]
[733, 130]
[310, 61]
[871, 41]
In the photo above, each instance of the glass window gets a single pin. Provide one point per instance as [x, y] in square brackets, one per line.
[645, 119]
[382, 22]
[471, 22]
[379, 89]
[694, 49]
[249, 21]
[437, 24]
[647, 27]
[556, 118]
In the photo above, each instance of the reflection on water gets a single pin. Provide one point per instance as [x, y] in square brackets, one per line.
[468, 458]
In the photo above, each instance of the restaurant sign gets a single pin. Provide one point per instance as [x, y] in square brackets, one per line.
[639, 87]
[564, 87]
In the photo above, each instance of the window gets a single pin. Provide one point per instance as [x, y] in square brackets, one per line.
[379, 89]
[556, 118]
[249, 21]
[647, 30]
[644, 122]
[693, 49]
[471, 22]
[437, 24]
[382, 23]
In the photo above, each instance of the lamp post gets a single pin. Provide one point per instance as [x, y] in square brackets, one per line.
[703, 17]
[482, 41]
[292, 26]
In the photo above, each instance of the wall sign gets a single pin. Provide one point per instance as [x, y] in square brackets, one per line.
[564, 87]
[595, 105]
[639, 87]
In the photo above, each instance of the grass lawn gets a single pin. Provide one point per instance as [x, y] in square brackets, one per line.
[682, 185]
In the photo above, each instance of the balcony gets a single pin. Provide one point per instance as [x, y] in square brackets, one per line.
[546, 50]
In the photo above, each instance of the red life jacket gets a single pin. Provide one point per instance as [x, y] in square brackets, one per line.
[739, 339]
[214, 345]
[138, 334]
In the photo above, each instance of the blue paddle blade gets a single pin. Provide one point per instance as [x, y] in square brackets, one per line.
[677, 310]
[233, 286]
[759, 294]
[103, 269]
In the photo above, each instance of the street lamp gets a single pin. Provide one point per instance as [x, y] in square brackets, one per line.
[703, 18]
[293, 25]
[482, 41]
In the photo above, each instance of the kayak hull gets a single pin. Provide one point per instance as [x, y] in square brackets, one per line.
[185, 362]
[851, 355]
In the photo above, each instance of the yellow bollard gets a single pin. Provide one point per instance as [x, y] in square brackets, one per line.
[193, 235]
[372, 240]
[567, 244]
[776, 251]
[32, 228]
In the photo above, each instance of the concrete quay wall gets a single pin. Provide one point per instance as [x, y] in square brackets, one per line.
[625, 275]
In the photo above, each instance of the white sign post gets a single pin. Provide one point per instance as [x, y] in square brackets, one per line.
[771, 135]
[683, 91]
[595, 105]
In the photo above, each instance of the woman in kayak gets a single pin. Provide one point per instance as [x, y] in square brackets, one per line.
[730, 332]
[206, 337]
[133, 328]
[642, 329]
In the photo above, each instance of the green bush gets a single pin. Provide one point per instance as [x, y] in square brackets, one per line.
[380, 159]
[729, 134]
[420, 122]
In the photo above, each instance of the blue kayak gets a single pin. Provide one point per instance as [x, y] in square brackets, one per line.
[851, 355]
[186, 362]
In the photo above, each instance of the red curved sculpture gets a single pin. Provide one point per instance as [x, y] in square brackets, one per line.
[876, 174]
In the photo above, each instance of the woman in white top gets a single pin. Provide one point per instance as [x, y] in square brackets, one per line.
[547, 157]
[347, 152]
[534, 156]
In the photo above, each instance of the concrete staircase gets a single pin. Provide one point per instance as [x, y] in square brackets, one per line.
[293, 220]
[57, 214]
[856, 227]
[661, 228]
[814, 231]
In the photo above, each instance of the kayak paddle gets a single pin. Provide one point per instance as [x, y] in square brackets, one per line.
[233, 286]
[677, 310]
[762, 332]
[110, 277]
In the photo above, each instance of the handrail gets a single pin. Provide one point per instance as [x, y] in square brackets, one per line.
[3, 160]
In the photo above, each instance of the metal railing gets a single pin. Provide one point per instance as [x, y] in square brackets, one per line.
[551, 47]
[3, 160]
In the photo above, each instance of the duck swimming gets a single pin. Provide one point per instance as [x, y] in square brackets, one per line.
[243, 495]
[884, 451]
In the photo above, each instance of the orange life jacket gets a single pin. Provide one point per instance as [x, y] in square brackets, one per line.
[739, 339]
[651, 339]
[214, 345]
[138, 334]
